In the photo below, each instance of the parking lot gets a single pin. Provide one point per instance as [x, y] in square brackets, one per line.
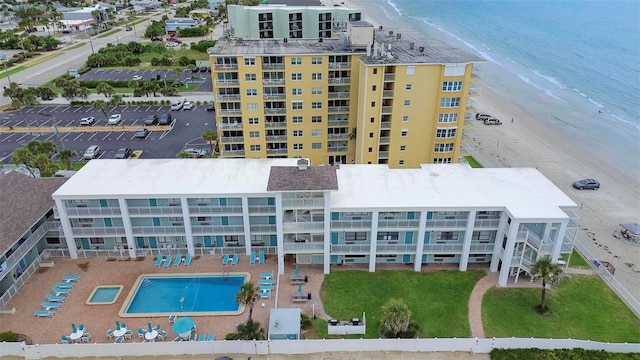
[203, 79]
[186, 130]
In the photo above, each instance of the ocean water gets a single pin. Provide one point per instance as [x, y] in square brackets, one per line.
[574, 64]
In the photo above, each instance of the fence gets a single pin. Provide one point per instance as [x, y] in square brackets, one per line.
[290, 347]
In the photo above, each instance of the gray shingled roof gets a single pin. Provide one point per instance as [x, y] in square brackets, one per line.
[23, 200]
[291, 178]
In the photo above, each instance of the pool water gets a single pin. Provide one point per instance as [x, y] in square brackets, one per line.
[201, 294]
[104, 295]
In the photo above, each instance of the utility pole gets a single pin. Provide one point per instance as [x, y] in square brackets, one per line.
[4, 61]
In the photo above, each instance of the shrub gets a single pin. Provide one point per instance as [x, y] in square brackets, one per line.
[305, 322]
[8, 336]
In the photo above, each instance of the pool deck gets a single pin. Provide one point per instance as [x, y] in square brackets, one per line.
[124, 271]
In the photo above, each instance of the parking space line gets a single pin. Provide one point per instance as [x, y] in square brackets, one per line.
[21, 137]
[78, 109]
[148, 109]
[64, 136]
[106, 136]
[9, 137]
[50, 136]
[123, 109]
[78, 137]
[119, 136]
[55, 108]
[92, 135]
[89, 109]
[136, 109]
[65, 109]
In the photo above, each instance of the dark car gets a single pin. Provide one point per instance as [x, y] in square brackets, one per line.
[142, 133]
[151, 120]
[211, 106]
[592, 184]
[129, 28]
[156, 38]
[122, 153]
[66, 31]
[165, 119]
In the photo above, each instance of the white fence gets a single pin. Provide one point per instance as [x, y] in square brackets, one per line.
[290, 347]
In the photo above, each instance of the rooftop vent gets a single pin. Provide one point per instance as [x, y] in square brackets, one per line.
[303, 164]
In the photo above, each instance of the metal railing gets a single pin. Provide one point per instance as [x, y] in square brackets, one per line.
[227, 82]
[155, 210]
[276, 151]
[152, 230]
[387, 94]
[389, 77]
[302, 247]
[224, 67]
[215, 210]
[399, 224]
[276, 137]
[338, 122]
[273, 81]
[229, 112]
[387, 109]
[226, 153]
[99, 231]
[263, 228]
[231, 139]
[277, 111]
[350, 224]
[217, 229]
[295, 227]
[92, 211]
[271, 96]
[277, 124]
[446, 223]
[237, 126]
[339, 95]
[303, 203]
[278, 66]
[223, 97]
[338, 109]
[337, 136]
[385, 125]
[339, 65]
[341, 80]
[337, 149]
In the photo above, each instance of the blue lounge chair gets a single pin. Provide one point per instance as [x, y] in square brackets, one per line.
[211, 337]
[261, 258]
[64, 285]
[234, 261]
[265, 294]
[159, 261]
[187, 259]
[225, 260]
[178, 260]
[266, 282]
[70, 278]
[252, 260]
[141, 333]
[119, 340]
[265, 287]
[202, 337]
[50, 305]
[81, 327]
[266, 275]
[60, 291]
[65, 339]
[167, 262]
[44, 313]
[55, 298]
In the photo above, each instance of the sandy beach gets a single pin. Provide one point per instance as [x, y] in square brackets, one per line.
[531, 142]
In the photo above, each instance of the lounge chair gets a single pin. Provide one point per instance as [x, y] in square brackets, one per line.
[187, 259]
[178, 338]
[157, 328]
[55, 298]
[45, 313]
[167, 262]
[172, 319]
[265, 294]
[86, 337]
[266, 275]
[159, 261]
[70, 278]
[81, 327]
[127, 335]
[225, 260]
[162, 335]
[266, 282]
[202, 337]
[265, 287]
[64, 285]
[65, 339]
[109, 334]
[50, 305]
[234, 261]
[119, 340]
[141, 333]
[59, 291]
[261, 257]
[252, 259]
[211, 337]
[178, 260]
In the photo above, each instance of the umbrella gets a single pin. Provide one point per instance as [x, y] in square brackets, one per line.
[117, 324]
[300, 288]
[297, 270]
[149, 326]
[183, 326]
[73, 327]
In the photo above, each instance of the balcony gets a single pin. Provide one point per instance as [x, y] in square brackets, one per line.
[274, 96]
[446, 223]
[276, 125]
[442, 248]
[276, 137]
[338, 109]
[383, 155]
[337, 136]
[399, 224]
[232, 153]
[486, 223]
[155, 210]
[481, 248]
[276, 151]
[344, 122]
[269, 82]
[275, 111]
[261, 209]
[234, 126]
[385, 139]
[231, 139]
[338, 149]
[296, 227]
[387, 109]
[385, 125]
[229, 112]
[263, 228]
[217, 229]
[278, 66]
[98, 231]
[351, 248]
[82, 212]
[225, 67]
[395, 248]
[339, 95]
[350, 224]
[340, 80]
[303, 203]
[232, 97]
[387, 94]
[390, 77]
[204, 210]
[227, 82]
[303, 247]
[339, 65]
[161, 230]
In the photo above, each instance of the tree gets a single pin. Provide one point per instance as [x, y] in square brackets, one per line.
[248, 295]
[45, 93]
[543, 269]
[116, 100]
[35, 154]
[100, 105]
[210, 137]
[105, 89]
[66, 156]
[184, 155]
[395, 319]
[250, 330]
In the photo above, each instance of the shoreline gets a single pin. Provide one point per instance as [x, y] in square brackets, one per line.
[532, 141]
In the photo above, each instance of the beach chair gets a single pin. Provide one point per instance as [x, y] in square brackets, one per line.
[70, 278]
[44, 313]
[211, 337]
[265, 294]
[109, 334]
[167, 262]
[202, 337]
[234, 261]
[225, 259]
[192, 337]
[128, 334]
[265, 287]
[58, 291]
[162, 335]
[50, 305]
[157, 328]
[159, 261]
[187, 259]
[252, 259]
[178, 338]
[81, 327]
[123, 325]
[119, 340]
[266, 282]
[86, 337]
[178, 260]
[172, 319]
[64, 285]
[261, 258]
[65, 339]
[266, 275]
[54, 298]
[141, 333]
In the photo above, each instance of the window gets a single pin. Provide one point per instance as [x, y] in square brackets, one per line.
[252, 107]
[316, 146]
[403, 148]
[297, 146]
[411, 70]
[316, 105]
[372, 120]
[375, 71]
[296, 105]
[251, 61]
[400, 162]
[374, 88]
[407, 87]
[404, 133]
[407, 102]
[405, 118]
[355, 236]
[370, 134]
[370, 149]
[373, 104]
[297, 133]
[316, 76]
[316, 132]
[450, 102]
[296, 91]
[316, 119]
[253, 121]
[447, 235]
[316, 60]
[447, 118]
[96, 241]
[452, 86]
[316, 90]
[297, 119]
[252, 92]
[254, 134]
[254, 147]
[446, 132]
[250, 77]
[296, 61]
[384, 235]
[296, 76]
[443, 147]
[442, 160]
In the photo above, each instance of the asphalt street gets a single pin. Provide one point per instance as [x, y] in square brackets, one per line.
[186, 131]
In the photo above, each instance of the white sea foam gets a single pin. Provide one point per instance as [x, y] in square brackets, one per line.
[550, 94]
[628, 122]
[526, 80]
[394, 6]
[595, 102]
[550, 79]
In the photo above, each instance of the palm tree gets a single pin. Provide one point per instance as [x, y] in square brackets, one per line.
[105, 89]
[250, 330]
[210, 137]
[100, 105]
[66, 156]
[116, 99]
[248, 295]
[543, 269]
[184, 155]
[395, 318]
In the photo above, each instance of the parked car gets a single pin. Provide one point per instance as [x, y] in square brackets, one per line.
[66, 31]
[114, 119]
[142, 133]
[137, 77]
[87, 121]
[172, 44]
[123, 153]
[195, 69]
[156, 38]
[92, 152]
[492, 121]
[177, 105]
[197, 153]
[483, 116]
[188, 105]
[203, 69]
[211, 106]
[129, 28]
[165, 119]
[175, 40]
[151, 120]
[592, 184]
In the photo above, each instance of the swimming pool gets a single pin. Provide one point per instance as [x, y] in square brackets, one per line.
[202, 294]
[104, 295]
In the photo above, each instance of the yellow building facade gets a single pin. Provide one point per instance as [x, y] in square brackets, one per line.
[340, 100]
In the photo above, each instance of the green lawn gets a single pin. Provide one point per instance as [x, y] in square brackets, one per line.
[576, 261]
[72, 47]
[438, 300]
[472, 162]
[9, 72]
[582, 307]
[78, 165]
[109, 33]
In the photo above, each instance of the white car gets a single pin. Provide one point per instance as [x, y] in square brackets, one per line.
[92, 152]
[172, 44]
[176, 106]
[137, 77]
[87, 121]
[188, 105]
[114, 119]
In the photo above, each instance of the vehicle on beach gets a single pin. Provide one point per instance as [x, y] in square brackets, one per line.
[492, 121]
[592, 184]
[483, 116]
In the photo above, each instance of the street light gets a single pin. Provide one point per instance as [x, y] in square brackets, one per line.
[4, 61]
